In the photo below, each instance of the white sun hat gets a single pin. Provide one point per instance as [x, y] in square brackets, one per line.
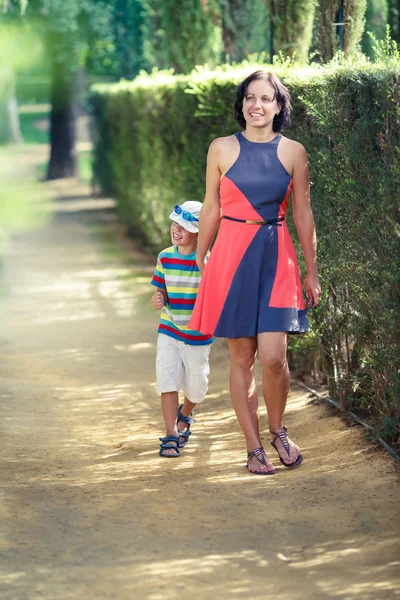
[187, 215]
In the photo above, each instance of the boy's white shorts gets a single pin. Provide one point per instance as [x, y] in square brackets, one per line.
[182, 365]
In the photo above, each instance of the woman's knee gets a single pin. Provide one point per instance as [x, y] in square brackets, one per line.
[243, 358]
[274, 362]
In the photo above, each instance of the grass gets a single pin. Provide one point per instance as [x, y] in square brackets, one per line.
[21, 196]
[29, 119]
[85, 170]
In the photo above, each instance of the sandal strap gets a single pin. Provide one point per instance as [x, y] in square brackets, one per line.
[166, 444]
[188, 420]
[185, 433]
[283, 437]
[259, 454]
[167, 440]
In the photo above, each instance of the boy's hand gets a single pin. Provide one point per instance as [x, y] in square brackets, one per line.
[157, 300]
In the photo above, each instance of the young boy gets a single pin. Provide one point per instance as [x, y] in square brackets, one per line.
[182, 354]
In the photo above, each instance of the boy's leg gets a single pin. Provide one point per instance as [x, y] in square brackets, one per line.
[186, 410]
[169, 370]
[169, 407]
[195, 377]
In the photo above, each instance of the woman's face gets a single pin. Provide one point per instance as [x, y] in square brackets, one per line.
[259, 104]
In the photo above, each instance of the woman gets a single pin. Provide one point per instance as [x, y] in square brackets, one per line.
[250, 291]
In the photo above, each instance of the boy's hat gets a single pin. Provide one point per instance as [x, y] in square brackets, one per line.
[187, 215]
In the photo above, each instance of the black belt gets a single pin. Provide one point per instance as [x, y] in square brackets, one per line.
[252, 222]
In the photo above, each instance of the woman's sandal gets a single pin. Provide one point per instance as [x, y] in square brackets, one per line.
[260, 456]
[166, 444]
[186, 433]
[283, 437]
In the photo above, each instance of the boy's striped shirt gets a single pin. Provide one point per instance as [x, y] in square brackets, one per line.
[179, 276]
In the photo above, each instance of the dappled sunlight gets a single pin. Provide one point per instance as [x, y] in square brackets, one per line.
[297, 402]
[86, 295]
[206, 564]
[74, 206]
[135, 347]
[86, 498]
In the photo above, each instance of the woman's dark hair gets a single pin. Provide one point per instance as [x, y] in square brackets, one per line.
[282, 97]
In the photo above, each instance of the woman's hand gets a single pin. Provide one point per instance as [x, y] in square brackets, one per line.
[312, 288]
[157, 300]
[201, 263]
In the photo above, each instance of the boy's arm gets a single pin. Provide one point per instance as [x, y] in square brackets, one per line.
[159, 298]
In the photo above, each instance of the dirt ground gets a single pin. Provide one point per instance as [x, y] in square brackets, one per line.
[88, 509]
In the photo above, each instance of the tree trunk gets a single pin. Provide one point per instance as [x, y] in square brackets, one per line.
[62, 123]
[329, 31]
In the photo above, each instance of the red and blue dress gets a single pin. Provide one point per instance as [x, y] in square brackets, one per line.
[251, 283]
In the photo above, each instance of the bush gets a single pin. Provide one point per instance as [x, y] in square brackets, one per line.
[152, 136]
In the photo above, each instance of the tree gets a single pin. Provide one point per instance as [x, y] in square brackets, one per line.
[376, 19]
[128, 21]
[394, 19]
[120, 54]
[335, 16]
[291, 23]
[183, 33]
[245, 28]
[67, 29]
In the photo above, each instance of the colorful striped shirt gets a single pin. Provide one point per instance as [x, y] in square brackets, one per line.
[179, 276]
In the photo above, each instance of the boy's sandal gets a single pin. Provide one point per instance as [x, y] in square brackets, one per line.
[283, 437]
[260, 456]
[186, 433]
[167, 444]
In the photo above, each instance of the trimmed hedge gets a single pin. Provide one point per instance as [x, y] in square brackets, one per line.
[151, 140]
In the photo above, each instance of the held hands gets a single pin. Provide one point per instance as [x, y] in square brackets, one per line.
[157, 300]
[201, 263]
[312, 289]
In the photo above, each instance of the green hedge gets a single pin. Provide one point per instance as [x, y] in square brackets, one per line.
[151, 140]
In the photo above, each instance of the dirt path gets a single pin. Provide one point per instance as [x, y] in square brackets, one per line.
[88, 509]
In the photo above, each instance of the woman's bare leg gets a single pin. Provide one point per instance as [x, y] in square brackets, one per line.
[243, 352]
[275, 385]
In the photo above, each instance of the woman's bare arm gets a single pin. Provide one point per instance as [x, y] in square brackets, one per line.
[210, 212]
[304, 220]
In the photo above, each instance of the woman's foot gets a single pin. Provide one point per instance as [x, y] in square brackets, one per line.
[258, 462]
[289, 453]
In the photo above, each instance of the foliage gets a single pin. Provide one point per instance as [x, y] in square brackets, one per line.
[394, 19]
[376, 20]
[183, 33]
[385, 50]
[152, 139]
[245, 28]
[70, 26]
[291, 29]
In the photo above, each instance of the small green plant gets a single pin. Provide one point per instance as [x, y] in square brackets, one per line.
[386, 50]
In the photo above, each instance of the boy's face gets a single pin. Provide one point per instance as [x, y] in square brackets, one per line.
[182, 237]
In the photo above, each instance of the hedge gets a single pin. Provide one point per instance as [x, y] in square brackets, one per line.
[151, 138]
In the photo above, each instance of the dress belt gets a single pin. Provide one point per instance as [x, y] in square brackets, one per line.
[276, 222]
